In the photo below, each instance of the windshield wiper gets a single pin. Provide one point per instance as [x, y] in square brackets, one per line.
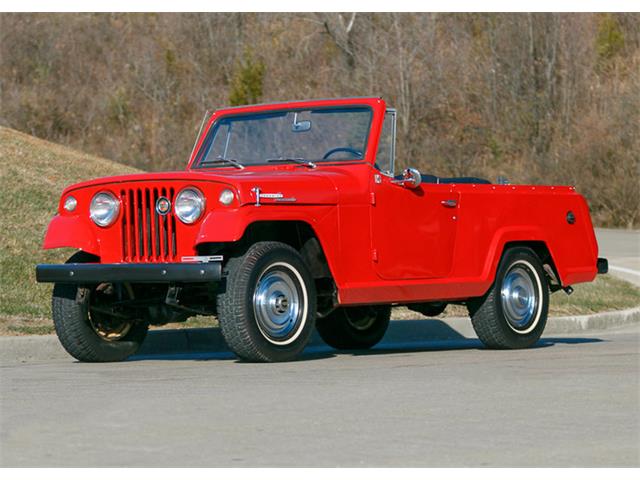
[230, 161]
[301, 161]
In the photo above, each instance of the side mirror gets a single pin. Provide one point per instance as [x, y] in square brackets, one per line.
[411, 178]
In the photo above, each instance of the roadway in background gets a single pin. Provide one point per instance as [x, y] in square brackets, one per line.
[622, 249]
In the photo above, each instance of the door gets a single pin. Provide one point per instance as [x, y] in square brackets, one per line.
[413, 230]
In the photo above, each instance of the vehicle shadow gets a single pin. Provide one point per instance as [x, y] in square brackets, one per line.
[403, 336]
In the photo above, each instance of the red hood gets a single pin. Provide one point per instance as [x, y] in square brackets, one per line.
[306, 186]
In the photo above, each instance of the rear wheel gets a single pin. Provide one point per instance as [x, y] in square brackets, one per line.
[352, 328]
[267, 312]
[85, 330]
[514, 311]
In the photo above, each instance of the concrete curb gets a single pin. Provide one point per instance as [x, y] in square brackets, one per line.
[594, 322]
[401, 333]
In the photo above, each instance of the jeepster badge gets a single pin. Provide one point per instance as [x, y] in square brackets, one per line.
[163, 206]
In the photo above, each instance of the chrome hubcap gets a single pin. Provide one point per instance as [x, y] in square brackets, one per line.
[519, 298]
[279, 304]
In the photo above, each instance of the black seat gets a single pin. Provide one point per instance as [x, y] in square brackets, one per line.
[434, 179]
[426, 178]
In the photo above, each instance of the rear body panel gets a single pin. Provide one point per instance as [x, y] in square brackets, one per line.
[485, 219]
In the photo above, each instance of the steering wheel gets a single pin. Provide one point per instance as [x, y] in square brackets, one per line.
[353, 151]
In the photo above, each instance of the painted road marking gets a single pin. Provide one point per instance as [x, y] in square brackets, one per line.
[624, 270]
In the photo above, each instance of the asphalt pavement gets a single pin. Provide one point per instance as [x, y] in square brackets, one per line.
[573, 400]
[622, 249]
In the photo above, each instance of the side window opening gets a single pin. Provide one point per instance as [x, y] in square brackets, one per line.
[385, 155]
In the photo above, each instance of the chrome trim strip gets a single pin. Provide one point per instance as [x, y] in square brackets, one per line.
[201, 258]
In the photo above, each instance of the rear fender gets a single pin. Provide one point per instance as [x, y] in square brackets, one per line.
[513, 235]
[568, 270]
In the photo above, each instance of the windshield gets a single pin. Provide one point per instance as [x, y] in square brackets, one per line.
[328, 134]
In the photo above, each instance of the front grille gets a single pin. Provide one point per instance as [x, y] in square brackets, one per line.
[146, 235]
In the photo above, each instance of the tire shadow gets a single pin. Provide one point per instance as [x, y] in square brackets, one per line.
[403, 336]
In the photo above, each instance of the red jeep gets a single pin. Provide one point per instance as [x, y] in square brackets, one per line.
[291, 216]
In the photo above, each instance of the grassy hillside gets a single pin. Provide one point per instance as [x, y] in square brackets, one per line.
[33, 174]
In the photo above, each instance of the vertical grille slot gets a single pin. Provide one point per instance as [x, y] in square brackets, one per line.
[140, 224]
[156, 225]
[126, 231]
[147, 220]
[147, 236]
[163, 227]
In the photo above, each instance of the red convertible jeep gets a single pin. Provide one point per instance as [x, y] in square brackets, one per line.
[291, 217]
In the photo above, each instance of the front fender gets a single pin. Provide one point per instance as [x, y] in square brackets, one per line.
[230, 225]
[71, 232]
[221, 226]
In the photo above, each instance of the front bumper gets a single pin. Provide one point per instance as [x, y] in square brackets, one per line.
[85, 273]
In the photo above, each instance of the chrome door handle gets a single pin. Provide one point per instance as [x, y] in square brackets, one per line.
[449, 203]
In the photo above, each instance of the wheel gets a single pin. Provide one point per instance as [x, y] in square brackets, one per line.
[352, 328]
[514, 311]
[88, 334]
[268, 309]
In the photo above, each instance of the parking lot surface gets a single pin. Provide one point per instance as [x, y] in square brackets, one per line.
[572, 401]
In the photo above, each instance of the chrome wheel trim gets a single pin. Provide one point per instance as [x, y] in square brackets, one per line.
[521, 297]
[280, 303]
[361, 322]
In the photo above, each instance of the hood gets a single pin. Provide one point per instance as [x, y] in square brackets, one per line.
[296, 185]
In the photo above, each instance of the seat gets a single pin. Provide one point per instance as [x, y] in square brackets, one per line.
[426, 178]
[433, 179]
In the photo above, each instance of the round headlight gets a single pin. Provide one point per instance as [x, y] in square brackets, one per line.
[189, 205]
[70, 204]
[226, 197]
[104, 209]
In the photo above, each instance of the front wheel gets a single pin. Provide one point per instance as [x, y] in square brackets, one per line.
[352, 328]
[267, 311]
[514, 311]
[84, 329]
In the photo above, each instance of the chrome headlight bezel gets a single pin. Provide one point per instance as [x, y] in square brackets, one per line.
[189, 205]
[111, 209]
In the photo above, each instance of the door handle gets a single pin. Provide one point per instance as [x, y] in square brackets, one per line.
[449, 203]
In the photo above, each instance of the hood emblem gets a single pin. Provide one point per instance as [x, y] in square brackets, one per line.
[163, 206]
[278, 197]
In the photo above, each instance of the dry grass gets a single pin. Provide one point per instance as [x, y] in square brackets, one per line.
[33, 174]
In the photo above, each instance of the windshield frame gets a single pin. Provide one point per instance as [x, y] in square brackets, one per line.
[196, 163]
